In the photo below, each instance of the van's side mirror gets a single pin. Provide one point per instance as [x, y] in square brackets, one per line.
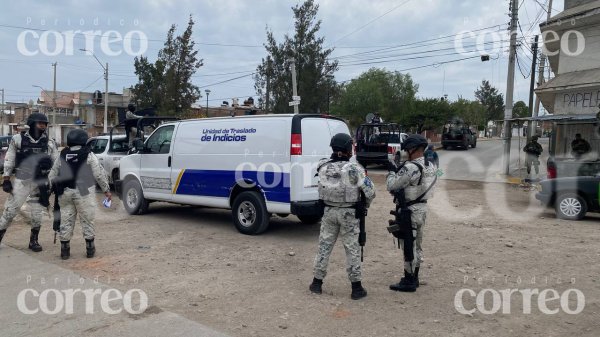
[138, 145]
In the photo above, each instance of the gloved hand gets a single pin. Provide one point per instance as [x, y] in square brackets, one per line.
[391, 166]
[7, 185]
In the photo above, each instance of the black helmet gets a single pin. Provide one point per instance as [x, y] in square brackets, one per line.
[341, 142]
[535, 138]
[414, 142]
[131, 107]
[36, 117]
[77, 137]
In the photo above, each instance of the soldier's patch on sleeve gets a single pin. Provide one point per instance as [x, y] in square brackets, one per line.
[368, 182]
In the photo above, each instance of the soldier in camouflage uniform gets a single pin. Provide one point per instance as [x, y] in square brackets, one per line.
[340, 185]
[30, 154]
[415, 177]
[74, 176]
[533, 150]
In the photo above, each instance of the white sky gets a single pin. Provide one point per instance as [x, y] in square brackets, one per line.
[230, 34]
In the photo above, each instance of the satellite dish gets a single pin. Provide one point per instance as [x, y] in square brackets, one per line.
[370, 117]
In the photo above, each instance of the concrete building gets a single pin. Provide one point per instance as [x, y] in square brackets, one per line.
[572, 44]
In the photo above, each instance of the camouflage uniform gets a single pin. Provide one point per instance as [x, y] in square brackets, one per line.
[72, 203]
[533, 150]
[407, 178]
[23, 188]
[340, 184]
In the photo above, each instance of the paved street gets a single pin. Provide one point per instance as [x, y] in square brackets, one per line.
[484, 163]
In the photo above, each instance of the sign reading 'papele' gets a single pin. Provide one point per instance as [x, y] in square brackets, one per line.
[578, 102]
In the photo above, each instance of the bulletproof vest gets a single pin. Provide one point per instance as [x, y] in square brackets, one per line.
[74, 171]
[335, 184]
[427, 175]
[32, 159]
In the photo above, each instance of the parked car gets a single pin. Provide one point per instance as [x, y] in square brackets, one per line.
[4, 141]
[378, 143]
[109, 153]
[254, 165]
[571, 167]
[458, 134]
[572, 197]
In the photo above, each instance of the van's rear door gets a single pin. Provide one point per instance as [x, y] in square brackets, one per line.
[316, 133]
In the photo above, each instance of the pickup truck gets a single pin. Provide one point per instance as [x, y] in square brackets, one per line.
[572, 197]
[378, 143]
[109, 153]
[458, 136]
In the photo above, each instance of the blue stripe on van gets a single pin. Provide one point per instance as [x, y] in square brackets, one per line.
[218, 183]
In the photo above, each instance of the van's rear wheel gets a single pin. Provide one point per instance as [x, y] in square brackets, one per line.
[310, 219]
[133, 198]
[250, 214]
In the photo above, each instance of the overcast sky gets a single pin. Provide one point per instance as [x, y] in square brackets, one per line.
[230, 34]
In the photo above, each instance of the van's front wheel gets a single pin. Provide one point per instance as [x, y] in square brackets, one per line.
[249, 213]
[133, 198]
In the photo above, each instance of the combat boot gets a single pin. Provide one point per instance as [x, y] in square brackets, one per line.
[358, 291]
[407, 284]
[33, 240]
[65, 250]
[90, 248]
[316, 286]
[2, 234]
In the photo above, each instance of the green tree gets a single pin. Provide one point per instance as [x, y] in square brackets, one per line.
[428, 114]
[520, 110]
[492, 101]
[167, 83]
[314, 70]
[472, 112]
[389, 93]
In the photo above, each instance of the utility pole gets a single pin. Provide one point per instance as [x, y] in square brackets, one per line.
[105, 130]
[534, 48]
[510, 83]
[268, 96]
[536, 111]
[54, 103]
[294, 86]
[2, 116]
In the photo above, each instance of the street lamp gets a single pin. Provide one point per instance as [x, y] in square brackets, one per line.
[207, 91]
[105, 130]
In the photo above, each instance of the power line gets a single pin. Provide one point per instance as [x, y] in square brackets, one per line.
[370, 22]
[225, 81]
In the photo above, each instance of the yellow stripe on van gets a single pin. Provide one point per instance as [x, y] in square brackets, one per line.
[177, 182]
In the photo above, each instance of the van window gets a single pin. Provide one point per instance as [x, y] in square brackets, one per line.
[160, 141]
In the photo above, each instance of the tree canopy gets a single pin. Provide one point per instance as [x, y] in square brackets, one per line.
[167, 83]
[314, 70]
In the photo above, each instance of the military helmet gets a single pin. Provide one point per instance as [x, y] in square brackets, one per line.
[341, 142]
[77, 137]
[36, 117]
[413, 142]
[535, 138]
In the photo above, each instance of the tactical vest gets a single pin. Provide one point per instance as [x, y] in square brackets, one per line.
[413, 192]
[74, 171]
[335, 185]
[32, 160]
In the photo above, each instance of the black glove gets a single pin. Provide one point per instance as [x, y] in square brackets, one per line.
[7, 186]
[391, 166]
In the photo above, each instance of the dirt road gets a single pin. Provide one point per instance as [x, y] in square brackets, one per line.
[478, 236]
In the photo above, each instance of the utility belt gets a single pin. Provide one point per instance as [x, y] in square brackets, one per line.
[339, 204]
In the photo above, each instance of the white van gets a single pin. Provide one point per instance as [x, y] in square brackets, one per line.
[253, 165]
